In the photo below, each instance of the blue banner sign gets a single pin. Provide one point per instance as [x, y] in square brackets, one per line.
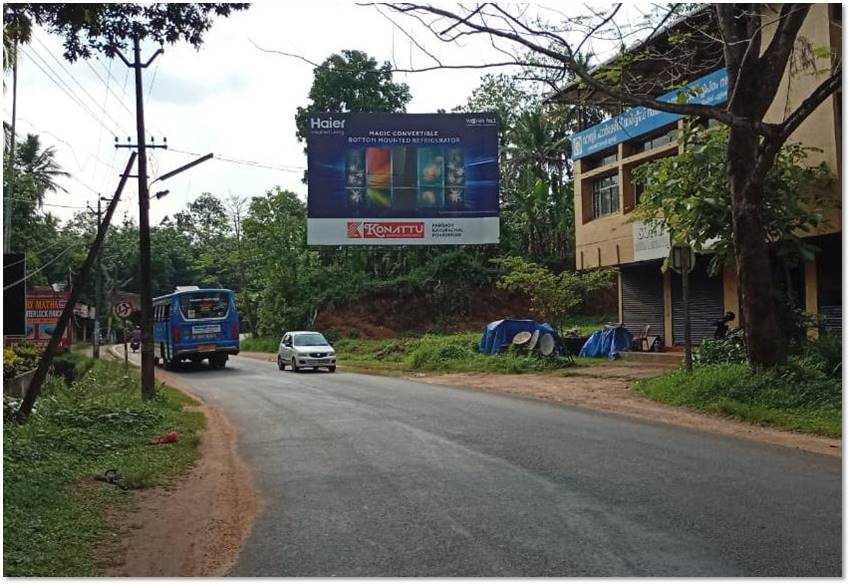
[710, 90]
[409, 179]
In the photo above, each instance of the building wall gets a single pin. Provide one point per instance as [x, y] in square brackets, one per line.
[609, 240]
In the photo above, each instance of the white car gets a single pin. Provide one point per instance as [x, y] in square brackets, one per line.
[305, 349]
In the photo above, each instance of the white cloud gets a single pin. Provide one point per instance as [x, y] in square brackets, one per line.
[228, 98]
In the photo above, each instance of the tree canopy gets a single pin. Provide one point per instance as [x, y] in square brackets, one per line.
[105, 28]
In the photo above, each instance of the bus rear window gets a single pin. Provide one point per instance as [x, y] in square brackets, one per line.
[204, 305]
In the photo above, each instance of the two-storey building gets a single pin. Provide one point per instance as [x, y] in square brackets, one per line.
[606, 155]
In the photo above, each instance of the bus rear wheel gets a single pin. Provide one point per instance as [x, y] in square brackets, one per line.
[218, 361]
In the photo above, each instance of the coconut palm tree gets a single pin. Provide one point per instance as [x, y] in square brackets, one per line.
[39, 167]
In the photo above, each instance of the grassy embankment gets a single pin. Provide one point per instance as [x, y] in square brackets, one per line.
[444, 353]
[54, 513]
[788, 400]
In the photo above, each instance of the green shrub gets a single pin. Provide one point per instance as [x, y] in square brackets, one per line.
[55, 512]
[720, 351]
[19, 359]
[790, 397]
[823, 354]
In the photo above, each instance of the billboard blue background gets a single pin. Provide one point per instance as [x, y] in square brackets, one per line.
[338, 143]
[708, 90]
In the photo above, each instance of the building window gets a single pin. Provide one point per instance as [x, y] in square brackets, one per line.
[658, 140]
[599, 161]
[606, 195]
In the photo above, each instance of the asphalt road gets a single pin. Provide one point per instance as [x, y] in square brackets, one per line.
[374, 476]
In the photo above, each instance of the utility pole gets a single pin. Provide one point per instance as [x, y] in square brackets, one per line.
[10, 167]
[98, 286]
[148, 382]
[47, 358]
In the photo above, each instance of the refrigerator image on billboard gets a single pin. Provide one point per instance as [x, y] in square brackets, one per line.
[431, 175]
[378, 178]
[390, 179]
[404, 178]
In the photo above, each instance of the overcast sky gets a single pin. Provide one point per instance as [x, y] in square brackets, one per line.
[228, 98]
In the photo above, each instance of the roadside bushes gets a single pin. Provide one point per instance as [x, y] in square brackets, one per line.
[19, 359]
[803, 395]
[720, 351]
[55, 512]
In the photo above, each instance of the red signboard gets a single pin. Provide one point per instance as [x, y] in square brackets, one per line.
[44, 307]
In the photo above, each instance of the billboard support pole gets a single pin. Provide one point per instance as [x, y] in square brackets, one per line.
[50, 351]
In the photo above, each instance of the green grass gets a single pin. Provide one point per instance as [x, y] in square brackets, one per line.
[261, 344]
[437, 353]
[432, 353]
[54, 515]
[793, 399]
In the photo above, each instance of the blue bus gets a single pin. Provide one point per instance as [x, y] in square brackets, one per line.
[195, 324]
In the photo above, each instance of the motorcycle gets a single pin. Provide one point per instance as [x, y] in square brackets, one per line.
[722, 331]
[134, 345]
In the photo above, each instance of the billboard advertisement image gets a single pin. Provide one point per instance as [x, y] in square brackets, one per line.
[390, 179]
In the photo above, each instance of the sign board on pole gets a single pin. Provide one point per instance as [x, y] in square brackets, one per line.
[14, 298]
[122, 310]
[402, 179]
[682, 259]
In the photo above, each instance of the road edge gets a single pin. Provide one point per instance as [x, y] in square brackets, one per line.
[644, 409]
[196, 526]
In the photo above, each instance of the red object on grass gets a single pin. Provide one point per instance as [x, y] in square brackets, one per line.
[172, 437]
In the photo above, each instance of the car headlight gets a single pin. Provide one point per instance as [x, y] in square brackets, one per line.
[332, 354]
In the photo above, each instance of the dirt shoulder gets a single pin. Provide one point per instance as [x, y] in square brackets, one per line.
[607, 387]
[195, 526]
[609, 390]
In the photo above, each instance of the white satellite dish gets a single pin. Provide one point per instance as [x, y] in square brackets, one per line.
[521, 338]
[547, 344]
[534, 337]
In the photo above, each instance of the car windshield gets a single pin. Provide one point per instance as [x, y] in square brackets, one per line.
[310, 339]
[203, 305]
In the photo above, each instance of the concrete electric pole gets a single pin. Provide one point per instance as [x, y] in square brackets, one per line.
[146, 294]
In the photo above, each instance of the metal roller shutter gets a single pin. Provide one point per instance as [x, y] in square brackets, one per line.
[643, 298]
[829, 270]
[706, 303]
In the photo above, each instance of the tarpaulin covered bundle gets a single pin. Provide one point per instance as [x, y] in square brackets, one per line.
[607, 342]
[498, 335]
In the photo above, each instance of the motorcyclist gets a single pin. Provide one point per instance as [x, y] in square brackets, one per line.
[136, 338]
[721, 329]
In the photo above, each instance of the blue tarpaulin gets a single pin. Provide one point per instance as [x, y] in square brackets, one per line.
[498, 335]
[607, 342]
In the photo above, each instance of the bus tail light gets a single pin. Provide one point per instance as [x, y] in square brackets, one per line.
[175, 334]
[234, 330]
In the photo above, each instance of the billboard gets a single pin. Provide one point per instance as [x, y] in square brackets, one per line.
[411, 179]
[708, 90]
[14, 297]
[44, 307]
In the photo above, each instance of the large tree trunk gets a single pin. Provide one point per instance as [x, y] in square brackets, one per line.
[758, 305]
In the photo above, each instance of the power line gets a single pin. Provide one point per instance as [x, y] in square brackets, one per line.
[69, 92]
[39, 253]
[80, 167]
[48, 204]
[103, 107]
[42, 267]
[245, 162]
[75, 80]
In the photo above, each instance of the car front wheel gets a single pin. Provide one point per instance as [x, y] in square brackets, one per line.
[332, 369]
[294, 365]
[280, 365]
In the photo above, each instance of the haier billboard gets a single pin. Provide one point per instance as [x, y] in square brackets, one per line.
[389, 179]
